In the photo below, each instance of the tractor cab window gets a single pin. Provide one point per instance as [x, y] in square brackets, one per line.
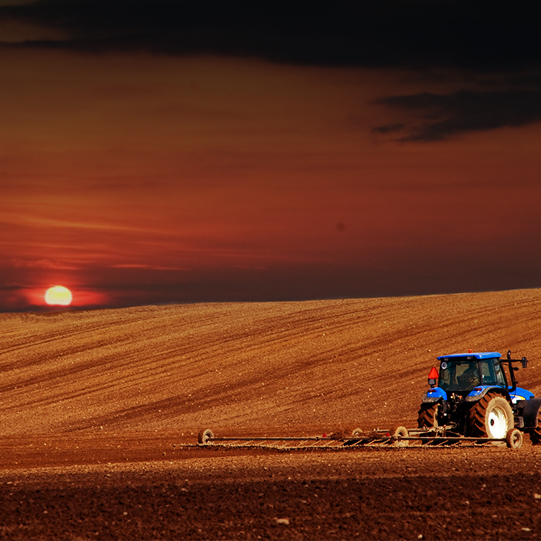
[459, 375]
[492, 373]
[499, 374]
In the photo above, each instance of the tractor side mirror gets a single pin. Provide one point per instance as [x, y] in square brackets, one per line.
[524, 362]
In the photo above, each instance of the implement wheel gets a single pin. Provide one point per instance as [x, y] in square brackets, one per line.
[398, 433]
[428, 416]
[514, 438]
[204, 436]
[491, 417]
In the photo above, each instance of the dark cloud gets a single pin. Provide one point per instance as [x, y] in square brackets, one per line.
[315, 32]
[389, 128]
[440, 116]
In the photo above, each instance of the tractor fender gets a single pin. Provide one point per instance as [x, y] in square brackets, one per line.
[434, 395]
[520, 394]
[481, 390]
[529, 409]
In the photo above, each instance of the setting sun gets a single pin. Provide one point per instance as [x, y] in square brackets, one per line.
[58, 296]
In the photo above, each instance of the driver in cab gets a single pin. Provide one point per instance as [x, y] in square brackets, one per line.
[470, 377]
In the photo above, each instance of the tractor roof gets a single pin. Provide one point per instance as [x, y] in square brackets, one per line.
[479, 356]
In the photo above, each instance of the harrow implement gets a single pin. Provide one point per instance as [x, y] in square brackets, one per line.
[397, 437]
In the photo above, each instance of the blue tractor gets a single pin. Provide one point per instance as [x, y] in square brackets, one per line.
[473, 396]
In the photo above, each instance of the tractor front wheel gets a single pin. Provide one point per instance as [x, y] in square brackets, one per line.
[428, 416]
[491, 417]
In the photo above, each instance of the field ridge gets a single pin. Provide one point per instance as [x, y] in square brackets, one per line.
[310, 365]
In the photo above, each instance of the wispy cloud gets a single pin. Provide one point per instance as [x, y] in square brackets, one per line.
[148, 267]
[45, 264]
[45, 221]
[439, 116]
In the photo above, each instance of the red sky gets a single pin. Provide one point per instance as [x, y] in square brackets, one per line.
[136, 178]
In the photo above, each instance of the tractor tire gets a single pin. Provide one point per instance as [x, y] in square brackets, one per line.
[428, 416]
[535, 434]
[491, 417]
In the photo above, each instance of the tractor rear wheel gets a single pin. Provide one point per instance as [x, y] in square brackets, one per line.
[535, 434]
[428, 416]
[491, 417]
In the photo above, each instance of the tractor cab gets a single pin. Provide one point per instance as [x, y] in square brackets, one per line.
[471, 375]
[463, 372]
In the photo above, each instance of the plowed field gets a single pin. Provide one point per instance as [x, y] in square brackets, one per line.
[95, 407]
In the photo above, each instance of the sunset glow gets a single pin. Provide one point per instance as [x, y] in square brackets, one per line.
[307, 164]
[58, 296]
